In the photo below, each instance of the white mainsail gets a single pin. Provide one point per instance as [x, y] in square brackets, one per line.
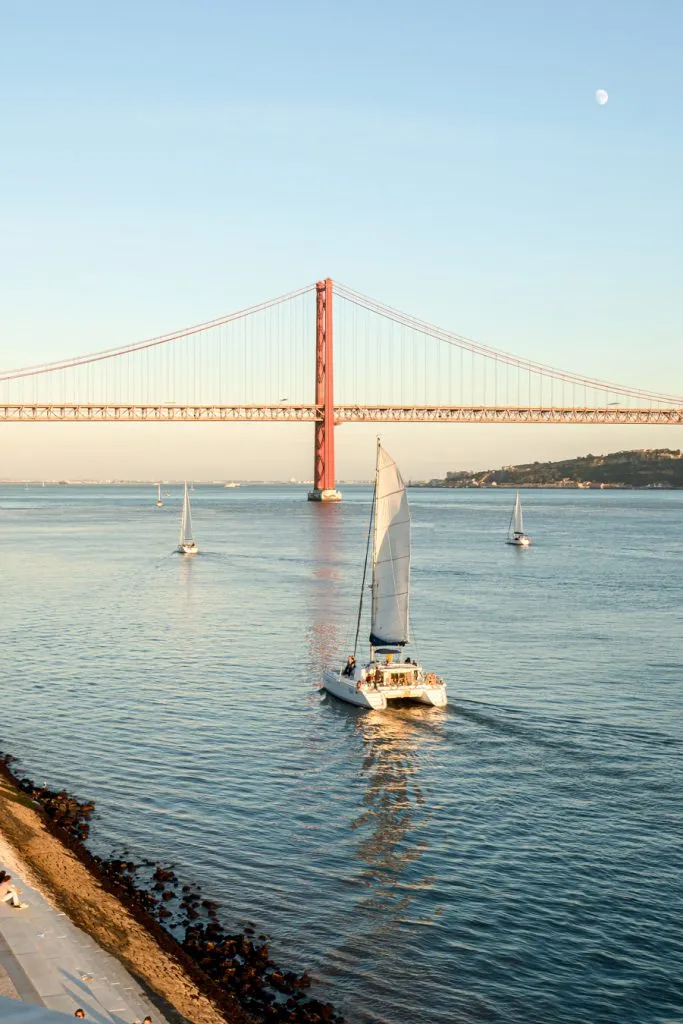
[186, 522]
[390, 555]
[517, 520]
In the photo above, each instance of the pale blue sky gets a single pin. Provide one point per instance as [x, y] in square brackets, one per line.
[167, 162]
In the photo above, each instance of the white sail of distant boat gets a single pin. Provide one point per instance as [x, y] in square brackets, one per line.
[516, 534]
[517, 516]
[388, 675]
[186, 544]
[159, 501]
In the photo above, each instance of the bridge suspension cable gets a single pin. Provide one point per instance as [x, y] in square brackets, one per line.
[521, 365]
[160, 339]
[263, 355]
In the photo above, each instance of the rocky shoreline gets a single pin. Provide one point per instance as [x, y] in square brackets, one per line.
[231, 970]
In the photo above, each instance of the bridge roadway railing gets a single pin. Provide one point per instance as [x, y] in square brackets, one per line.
[507, 414]
[303, 413]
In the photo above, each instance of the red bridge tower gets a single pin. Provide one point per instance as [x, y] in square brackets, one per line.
[323, 454]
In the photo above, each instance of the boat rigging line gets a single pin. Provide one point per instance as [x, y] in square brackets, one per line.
[365, 568]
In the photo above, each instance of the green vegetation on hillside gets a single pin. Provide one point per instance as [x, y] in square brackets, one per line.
[657, 467]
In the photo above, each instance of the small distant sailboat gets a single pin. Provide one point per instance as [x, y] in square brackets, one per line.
[186, 545]
[516, 534]
[160, 503]
[388, 675]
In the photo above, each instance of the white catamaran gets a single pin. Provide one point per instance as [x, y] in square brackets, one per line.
[388, 675]
[160, 503]
[186, 545]
[516, 534]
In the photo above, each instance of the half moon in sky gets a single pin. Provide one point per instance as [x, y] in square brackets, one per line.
[602, 97]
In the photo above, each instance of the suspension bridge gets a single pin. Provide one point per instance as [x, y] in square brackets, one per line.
[327, 355]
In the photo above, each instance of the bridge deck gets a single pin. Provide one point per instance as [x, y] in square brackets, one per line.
[165, 413]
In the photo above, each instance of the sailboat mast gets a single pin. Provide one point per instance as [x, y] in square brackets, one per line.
[374, 534]
[374, 522]
[365, 567]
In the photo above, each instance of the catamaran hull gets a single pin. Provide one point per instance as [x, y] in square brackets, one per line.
[187, 549]
[378, 700]
[521, 542]
[345, 689]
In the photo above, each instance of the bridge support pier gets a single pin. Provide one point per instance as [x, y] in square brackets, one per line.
[323, 449]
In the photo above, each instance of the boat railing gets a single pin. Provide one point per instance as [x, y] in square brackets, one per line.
[391, 678]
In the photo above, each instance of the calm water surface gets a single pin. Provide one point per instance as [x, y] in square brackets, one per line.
[515, 857]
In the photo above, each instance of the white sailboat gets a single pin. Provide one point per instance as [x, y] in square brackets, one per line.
[186, 545]
[388, 675]
[516, 534]
[159, 502]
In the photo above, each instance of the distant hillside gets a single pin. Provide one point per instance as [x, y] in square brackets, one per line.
[657, 467]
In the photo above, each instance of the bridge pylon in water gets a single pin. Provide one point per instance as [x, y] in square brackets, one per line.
[323, 449]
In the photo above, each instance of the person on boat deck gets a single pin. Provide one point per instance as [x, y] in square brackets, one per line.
[8, 894]
[350, 666]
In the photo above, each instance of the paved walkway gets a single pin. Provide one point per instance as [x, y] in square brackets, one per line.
[46, 960]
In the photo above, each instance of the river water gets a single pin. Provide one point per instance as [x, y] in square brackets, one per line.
[515, 857]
